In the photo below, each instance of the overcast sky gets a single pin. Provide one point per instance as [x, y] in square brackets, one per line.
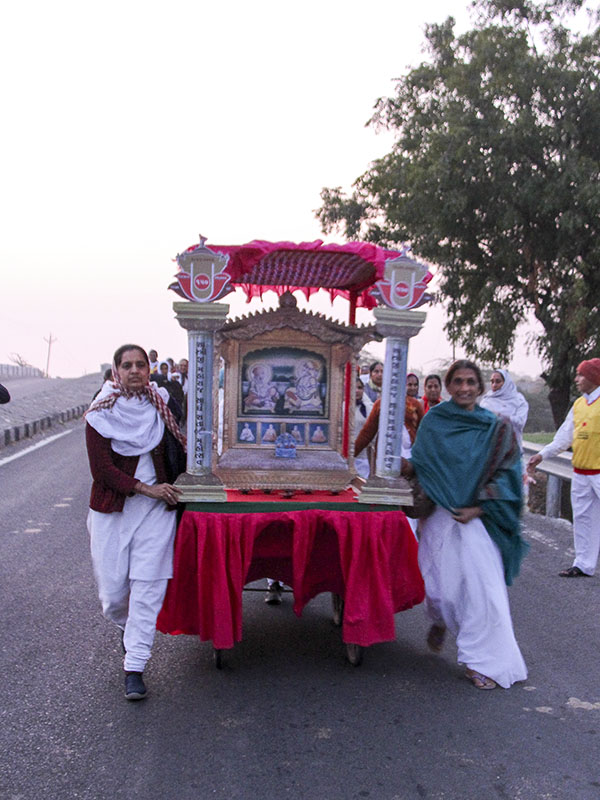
[131, 127]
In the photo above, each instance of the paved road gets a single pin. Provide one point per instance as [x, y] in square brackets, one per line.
[33, 398]
[287, 717]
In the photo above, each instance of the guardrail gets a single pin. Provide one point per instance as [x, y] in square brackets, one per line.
[28, 429]
[15, 371]
[558, 469]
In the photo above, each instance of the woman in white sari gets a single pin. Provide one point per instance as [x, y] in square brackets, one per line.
[467, 462]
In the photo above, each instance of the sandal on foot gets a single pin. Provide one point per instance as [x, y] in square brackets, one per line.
[480, 681]
[435, 638]
[573, 572]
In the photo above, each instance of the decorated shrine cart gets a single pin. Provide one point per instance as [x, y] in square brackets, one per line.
[269, 485]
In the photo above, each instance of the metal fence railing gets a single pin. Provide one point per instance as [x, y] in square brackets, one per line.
[15, 371]
[558, 469]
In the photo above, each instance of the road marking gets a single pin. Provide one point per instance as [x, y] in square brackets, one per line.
[32, 530]
[235, 722]
[539, 537]
[34, 447]
[573, 702]
[62, 505]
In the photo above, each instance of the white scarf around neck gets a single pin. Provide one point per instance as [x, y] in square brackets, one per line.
[133, 424]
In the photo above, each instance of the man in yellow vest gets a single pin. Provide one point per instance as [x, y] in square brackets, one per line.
[581, 430]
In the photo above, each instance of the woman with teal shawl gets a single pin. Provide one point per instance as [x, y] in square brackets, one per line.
[467, 462]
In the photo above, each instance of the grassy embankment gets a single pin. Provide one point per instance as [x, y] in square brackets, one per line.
[538, 438]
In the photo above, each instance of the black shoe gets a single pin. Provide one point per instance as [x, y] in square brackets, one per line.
[573, 572]
[134, 686]
[273, 596]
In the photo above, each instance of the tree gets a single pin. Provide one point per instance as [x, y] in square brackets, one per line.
[494, 176]
[19, 360]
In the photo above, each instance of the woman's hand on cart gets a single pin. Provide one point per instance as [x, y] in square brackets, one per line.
[160, 491]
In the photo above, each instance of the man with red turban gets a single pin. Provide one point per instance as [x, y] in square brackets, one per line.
[581, 430]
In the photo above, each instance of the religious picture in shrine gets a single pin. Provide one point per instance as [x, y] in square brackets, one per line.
[247, 432]
[317, 434]
[283, 382]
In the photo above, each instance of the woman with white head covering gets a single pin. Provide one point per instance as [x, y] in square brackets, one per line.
[129, 433]
[505, 400]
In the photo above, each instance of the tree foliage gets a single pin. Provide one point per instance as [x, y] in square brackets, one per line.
[494, 176]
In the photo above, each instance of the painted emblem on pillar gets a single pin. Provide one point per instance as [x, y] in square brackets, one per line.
[201, 377]
[395, 419]
[202, 277]
[404, 284]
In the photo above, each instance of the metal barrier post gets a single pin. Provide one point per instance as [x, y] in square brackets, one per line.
[553, 495]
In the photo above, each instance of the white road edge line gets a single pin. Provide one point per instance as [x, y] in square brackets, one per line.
[37, 446]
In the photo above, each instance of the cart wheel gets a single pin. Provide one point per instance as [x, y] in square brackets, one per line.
[354, 653]
[337, 603]
[218, 658]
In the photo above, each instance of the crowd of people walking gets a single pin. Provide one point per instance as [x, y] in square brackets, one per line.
[463, 456]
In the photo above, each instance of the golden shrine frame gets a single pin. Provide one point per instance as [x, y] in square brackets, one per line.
[284, 373]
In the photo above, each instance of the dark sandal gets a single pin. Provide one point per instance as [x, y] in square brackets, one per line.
[435, 638]
[480, 681]
[573, 572]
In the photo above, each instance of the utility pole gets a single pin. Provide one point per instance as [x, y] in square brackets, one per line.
[50, 340]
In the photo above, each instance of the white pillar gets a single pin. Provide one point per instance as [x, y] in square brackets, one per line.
[391, 416]
[201, 320]
[387, 486]
[200, 407]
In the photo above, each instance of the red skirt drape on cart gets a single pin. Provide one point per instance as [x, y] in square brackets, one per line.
[370, 558]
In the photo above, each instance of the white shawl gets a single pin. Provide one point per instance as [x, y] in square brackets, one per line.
[508, 402]
[133, 424]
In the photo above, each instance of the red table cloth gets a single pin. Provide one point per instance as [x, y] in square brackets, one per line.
[368, 557]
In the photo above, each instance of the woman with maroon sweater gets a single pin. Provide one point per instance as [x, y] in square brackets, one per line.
[130, 521]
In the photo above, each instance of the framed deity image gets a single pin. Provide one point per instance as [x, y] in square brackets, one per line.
[269, 431]
[317, 434]
[283, 382]
[246, 432]
[298, 432]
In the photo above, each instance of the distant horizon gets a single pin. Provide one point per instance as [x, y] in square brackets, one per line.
[431, 338]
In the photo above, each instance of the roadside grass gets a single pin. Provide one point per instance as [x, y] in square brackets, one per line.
[538, 438]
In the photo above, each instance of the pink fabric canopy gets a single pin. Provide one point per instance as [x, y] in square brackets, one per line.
[342, 269]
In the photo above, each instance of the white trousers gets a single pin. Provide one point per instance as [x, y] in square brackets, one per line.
[134, 606]
[132, 555]
[466, 592]
[131, 590]
[585, 501]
